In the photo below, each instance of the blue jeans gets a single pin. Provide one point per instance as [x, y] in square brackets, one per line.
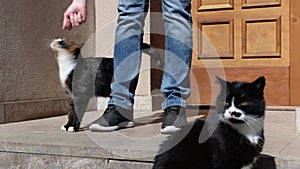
[127, 56]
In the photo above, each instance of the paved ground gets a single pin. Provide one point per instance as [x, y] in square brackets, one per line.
[139, 143]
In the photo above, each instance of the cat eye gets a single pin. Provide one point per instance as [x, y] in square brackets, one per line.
[243, 103]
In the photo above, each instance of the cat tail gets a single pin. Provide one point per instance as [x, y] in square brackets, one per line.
[153, 53]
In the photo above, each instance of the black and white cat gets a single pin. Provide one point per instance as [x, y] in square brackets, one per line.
[82, 78]
[231, 139]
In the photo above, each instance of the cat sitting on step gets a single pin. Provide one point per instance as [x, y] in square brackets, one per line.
[231, 138]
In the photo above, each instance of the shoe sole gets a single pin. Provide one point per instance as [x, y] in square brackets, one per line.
[169, 130]
[99, 128]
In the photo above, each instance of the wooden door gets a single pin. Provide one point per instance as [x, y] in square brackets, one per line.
[251, 38]
[295, 53]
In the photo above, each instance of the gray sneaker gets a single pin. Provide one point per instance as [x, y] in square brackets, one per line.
[175, 117]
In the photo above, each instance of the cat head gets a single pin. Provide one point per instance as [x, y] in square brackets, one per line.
[64, 47]
[242, 102]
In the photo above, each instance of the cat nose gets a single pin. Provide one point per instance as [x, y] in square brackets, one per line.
[236, 114]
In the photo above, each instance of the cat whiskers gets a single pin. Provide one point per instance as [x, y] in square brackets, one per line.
[255, 124]
[215, 118]
[255, 120]
[251, 127]
[218, 116]
[46, 44]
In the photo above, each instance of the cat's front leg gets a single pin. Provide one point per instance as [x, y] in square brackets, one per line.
[73, 123]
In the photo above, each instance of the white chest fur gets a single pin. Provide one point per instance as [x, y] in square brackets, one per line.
[66, 65]
[251, 130]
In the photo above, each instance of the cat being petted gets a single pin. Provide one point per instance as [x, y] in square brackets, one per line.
[236, 132]
[92, 76]
[82, 78]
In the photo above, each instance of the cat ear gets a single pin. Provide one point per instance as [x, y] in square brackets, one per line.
[77, 51]
[224, 91]
[222, 82]
[260, 83]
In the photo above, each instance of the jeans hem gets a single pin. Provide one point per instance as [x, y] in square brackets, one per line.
[120, 104]
[173, 103]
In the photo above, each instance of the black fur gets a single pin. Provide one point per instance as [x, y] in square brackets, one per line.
[226, 148]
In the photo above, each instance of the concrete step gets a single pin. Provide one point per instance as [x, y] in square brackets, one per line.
[41, 144]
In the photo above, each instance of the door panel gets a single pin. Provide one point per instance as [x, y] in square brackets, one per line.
[215, 4]
[251, 39]
[261, 38]
[213, 30]
[260, 3]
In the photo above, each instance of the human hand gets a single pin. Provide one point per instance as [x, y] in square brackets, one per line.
[75, 14]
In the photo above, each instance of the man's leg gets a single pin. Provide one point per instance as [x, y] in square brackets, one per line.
[127, 59]
[176, 83]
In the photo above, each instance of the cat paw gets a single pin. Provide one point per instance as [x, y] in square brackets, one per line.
[70, 129]
[63, 128]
